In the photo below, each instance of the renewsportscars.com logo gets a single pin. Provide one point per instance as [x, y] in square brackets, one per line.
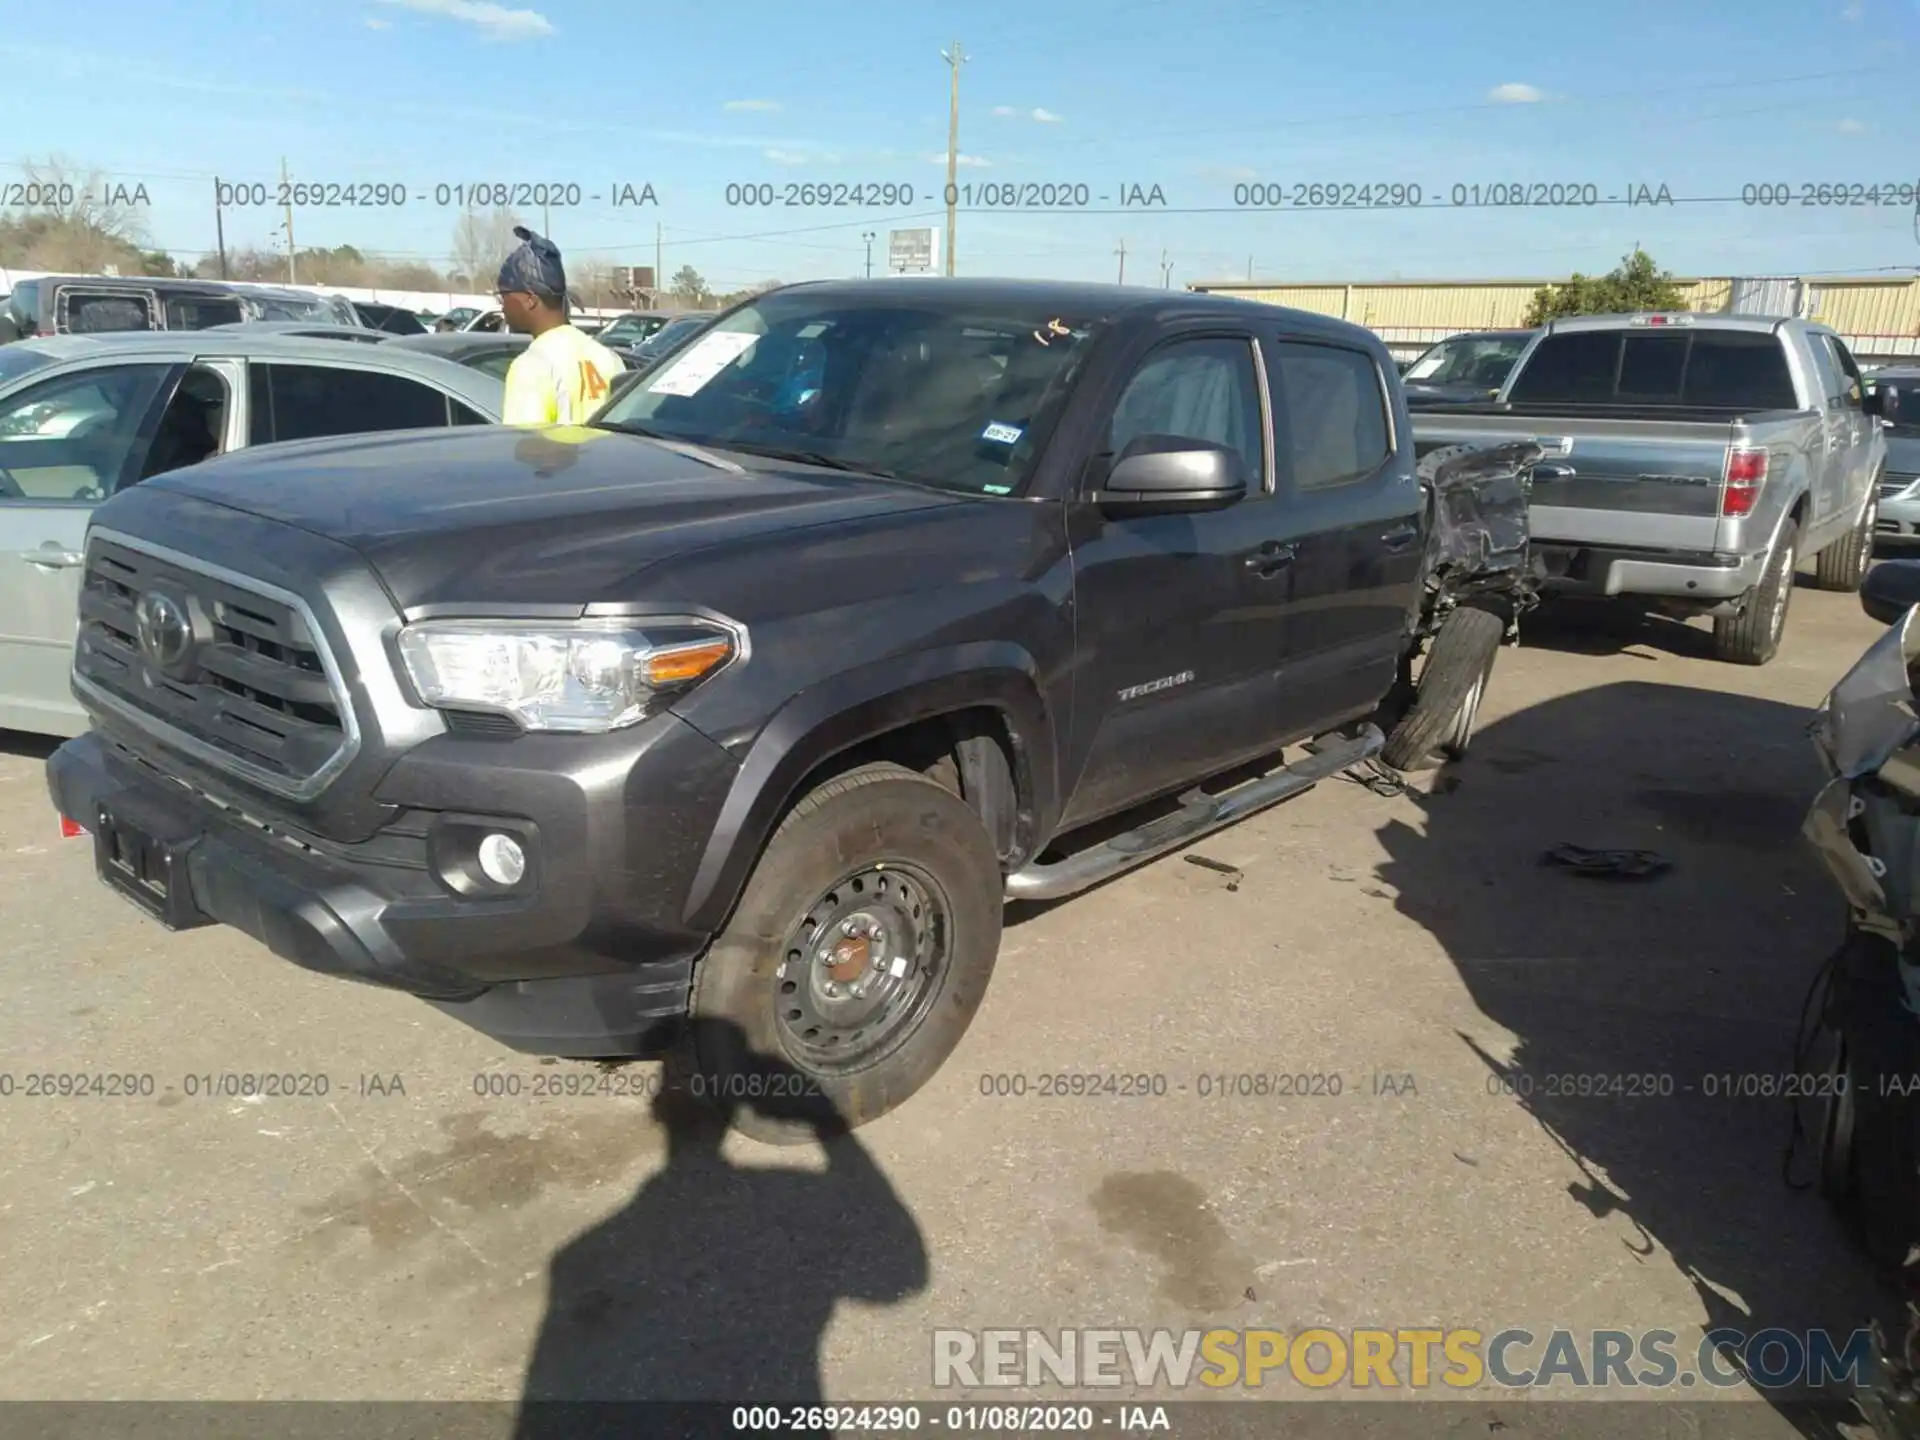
[1413, 1358]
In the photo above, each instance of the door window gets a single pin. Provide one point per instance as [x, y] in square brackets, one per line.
[193, 425]
[1850, 388]
[299, 402]
[198, 312]
[1832, 384]
[1330, 415]
[1203, 390]
[74, 436]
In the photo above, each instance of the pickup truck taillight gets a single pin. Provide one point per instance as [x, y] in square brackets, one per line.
[1746, 471]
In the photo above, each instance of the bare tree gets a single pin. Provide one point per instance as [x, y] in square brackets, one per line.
[480, 242]
[90, 199]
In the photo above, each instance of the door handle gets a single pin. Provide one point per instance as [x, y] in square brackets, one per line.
[1271, 558]
[1554, 472]
[1399, 538]
[54, 559]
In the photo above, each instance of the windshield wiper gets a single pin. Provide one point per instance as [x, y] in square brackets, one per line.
[809, 457]
[639, 430]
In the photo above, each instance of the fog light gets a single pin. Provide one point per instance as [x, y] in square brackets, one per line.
[502, 860]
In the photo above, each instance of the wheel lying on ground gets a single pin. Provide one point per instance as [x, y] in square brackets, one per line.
[857, 956]
[1843, 564]
[1446, 702]
[1753, 636]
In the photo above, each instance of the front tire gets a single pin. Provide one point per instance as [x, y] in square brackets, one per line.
[856, 959]
[1843, 564]
[1753, 636]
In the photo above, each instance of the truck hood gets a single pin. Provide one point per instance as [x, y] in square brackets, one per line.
[492, 514]
[1903, 453]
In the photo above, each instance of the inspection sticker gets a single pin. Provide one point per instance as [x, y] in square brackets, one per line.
[1002, 434]
[704, 359]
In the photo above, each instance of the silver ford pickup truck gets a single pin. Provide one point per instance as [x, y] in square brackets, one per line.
[1693, 460]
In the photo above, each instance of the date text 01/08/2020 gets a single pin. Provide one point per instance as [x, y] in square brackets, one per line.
[397, 194]
[1409, 195]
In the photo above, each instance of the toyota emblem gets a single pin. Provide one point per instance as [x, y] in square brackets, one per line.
[165, 632]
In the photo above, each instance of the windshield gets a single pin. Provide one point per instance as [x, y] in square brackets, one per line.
[670, 334]
[938, 395]
[275, 307]
[1469, 360]
[632, 327]
[1902, 406]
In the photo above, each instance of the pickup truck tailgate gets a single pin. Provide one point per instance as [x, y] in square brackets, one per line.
[1612, 482]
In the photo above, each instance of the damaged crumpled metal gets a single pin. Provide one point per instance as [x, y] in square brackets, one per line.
[1480, 539]
[1867, 725]
[1870, 713]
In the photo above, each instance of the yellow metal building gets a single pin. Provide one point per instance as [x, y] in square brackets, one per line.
[1878, 315]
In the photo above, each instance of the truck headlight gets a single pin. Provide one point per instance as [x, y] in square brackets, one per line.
[586, 676]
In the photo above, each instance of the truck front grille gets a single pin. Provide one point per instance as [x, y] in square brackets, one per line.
[230, 669]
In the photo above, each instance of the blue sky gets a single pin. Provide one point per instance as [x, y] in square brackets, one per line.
[1194, 96]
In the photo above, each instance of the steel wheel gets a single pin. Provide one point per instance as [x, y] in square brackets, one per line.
[862, 967]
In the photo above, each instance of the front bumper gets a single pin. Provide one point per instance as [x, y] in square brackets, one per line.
[586, 957]
[1899, 509]
[1688, 575]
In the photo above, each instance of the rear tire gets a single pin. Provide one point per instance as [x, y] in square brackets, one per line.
[782, 1036]
[1753, 636]
[1446, 702]
[1843, 564]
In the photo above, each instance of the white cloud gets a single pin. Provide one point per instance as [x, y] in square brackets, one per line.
[756, 105]
[1515, 93]
[375, 24]
[1855, 11]
[964, 162]
[1037, 114]
[786, 157]
[1850, 126]
[494, 22]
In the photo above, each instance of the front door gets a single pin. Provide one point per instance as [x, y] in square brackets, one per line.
[1179, 616]
[66, 443]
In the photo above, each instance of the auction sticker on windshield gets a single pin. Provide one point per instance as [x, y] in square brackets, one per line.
[705, 358]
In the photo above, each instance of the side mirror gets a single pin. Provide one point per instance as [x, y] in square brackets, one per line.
[1173, 472]
[1891, 588]
[1881, 400]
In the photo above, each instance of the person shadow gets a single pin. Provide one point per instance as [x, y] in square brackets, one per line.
[713, 1286]
[1647, 1022]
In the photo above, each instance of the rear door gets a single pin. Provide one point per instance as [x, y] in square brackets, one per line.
[1861, 427]
[1833, 478]
[67, 441]
[1352, 514]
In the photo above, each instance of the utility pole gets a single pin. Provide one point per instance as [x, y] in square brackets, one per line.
[1122, 253]
[955, 58]
[289, 193]
[1166, 271]
[868, 237]
[1249, 269]
[219, 228]
[659, 266]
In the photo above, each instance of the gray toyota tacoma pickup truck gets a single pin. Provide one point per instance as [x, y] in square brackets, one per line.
[751, 702]
[1692, 460]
